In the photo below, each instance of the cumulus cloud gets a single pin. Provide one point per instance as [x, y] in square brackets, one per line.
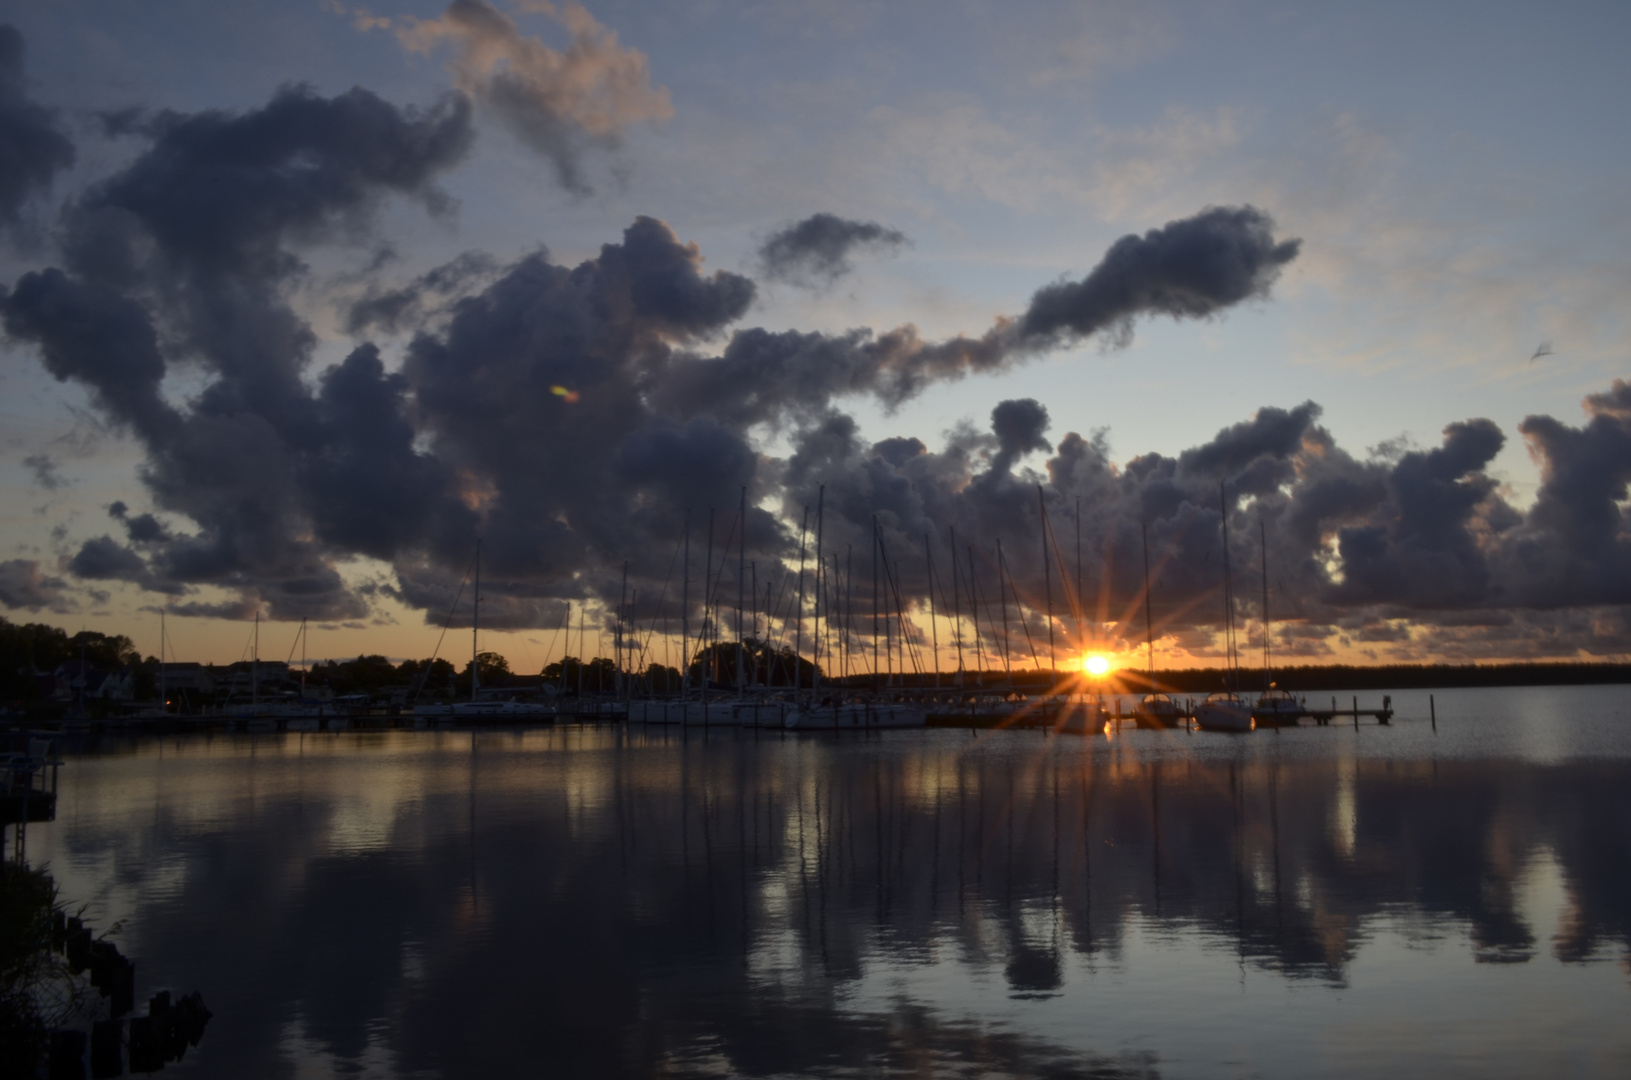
[272, 477]
[818, 249]
[1191, 268]
[23, 585]
[555, 101]
[33, 145]
[192, 245]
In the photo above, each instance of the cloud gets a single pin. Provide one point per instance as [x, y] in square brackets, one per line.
[33, 146]
[22, 585]
[577, 417]
[555, 101]
[819, 247]
[105, 559]
[1191, 268]
[284, 475]
[45, 472]
[393, 309]
[187, 255]
[92, 333]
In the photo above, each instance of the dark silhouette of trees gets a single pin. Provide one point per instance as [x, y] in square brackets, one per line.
[35, 647]
[762, 664]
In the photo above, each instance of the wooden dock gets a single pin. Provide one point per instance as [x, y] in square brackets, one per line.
[1325, 716]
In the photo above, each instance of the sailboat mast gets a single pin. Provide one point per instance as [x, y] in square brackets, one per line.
[798, 624]
[1079, 605]
[874, 598]
[1228, 593]
[164, 695]
[685, 613]
[475, 628]
[956, 606]
[741, 600]
[1081, 631]
[707, 601]
[934, 627]
[1263, 537]
[255, 665]
[821, 577]
[1003, 584]
[622, 613]
[974, 606]
[1047, 578]
[1149, 623]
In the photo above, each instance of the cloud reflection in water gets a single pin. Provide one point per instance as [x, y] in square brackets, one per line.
[598, 903]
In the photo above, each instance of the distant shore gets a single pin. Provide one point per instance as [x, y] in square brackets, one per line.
[1314, 677]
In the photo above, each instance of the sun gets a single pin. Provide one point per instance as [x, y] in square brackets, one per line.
[1096, 665]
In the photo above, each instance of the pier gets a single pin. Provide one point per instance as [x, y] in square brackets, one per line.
[28, 789]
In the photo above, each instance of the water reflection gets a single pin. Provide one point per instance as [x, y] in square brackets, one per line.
[595, 903]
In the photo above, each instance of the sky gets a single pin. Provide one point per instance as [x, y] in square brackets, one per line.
[302, 299]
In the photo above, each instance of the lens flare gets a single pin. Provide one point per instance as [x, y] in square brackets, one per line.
[561, 391]
[1096, 665]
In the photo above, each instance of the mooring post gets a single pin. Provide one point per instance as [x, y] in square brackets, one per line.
[1432, 711]
[1356, 712]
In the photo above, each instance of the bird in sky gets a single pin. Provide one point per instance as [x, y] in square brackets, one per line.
[1544, 349]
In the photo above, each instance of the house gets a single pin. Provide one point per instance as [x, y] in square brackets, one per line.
[245, 678]
[76, 678]
[185, 678]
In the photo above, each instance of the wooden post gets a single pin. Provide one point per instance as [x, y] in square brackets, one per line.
[1432, 711]
[1356, 712]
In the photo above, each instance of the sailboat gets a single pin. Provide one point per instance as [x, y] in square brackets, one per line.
[834, 710]
[1155, 710]
[1276, 708]
[1226, 711]
[491, 707]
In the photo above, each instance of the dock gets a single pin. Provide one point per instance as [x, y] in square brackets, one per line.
[1325, 716]
[28, 789]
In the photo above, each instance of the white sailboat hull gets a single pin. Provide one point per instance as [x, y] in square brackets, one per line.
[857, 716]
[1224, 716]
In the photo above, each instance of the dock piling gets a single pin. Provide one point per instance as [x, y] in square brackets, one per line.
[1356, 712]
[1432, 711]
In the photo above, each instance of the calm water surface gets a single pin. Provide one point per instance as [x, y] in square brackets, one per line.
[601, 902]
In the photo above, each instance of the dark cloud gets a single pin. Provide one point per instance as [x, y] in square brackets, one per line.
[1192, 268]
[580, 417]
[23, 585]
[95, 335]
[142, 528]
[105, 559]
[1574, 546]
[192, 245]
[819, 247]
[33, 146]
[1425, 550]
[391, 310]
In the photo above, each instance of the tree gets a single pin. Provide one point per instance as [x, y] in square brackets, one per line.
[660, 679]
[762, 665]
[495, 671]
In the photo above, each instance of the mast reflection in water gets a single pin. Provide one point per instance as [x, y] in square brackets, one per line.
[593, 902]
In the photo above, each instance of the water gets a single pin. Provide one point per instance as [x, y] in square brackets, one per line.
[595, 902]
